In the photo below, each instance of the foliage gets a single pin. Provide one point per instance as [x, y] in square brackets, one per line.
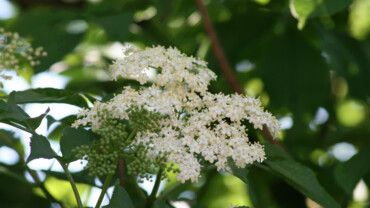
[308, 62]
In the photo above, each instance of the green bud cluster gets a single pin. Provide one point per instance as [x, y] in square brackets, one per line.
[116, 141]
[142, 120]
[103, 154]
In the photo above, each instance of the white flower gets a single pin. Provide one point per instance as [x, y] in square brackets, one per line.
[173, 69]
[197, 125]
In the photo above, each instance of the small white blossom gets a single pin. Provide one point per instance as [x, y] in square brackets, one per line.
[171, 66]
[197, 125]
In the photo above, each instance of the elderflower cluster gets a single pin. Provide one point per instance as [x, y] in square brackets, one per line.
[16, 52]
[171, 68]
[188, 126]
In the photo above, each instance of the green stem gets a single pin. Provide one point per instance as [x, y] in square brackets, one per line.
[106, 184]
[72, 182]
[153, 195]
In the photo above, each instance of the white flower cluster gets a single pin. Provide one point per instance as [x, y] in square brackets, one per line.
[198, 125]
[16, 51]
[167, 68]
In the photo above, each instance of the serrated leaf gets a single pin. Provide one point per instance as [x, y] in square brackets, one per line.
[120, 199]
[348, 174]
[73, 138]
[40, 148]
[47, 95]
[300, 177]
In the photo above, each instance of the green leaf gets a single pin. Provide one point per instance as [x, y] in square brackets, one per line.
[305, 9]
[275, 152]
[12, 112]
[291, 81]
[299, 176]
[349, 173]
[57, 131]
[40, 148]
[47, 95]
[35, 122]
[73, 138]
[120, 199]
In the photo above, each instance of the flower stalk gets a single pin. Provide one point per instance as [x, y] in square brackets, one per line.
[72, 182]
[106, 184]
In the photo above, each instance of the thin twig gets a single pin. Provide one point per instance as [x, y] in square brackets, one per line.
[72, 182]
[224, 64]
[217, 48]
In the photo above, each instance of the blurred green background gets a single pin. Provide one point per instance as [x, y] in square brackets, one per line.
[308, 61]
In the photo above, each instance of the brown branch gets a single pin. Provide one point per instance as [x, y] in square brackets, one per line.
[121, 172]
[224, 64]
[217, 49]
